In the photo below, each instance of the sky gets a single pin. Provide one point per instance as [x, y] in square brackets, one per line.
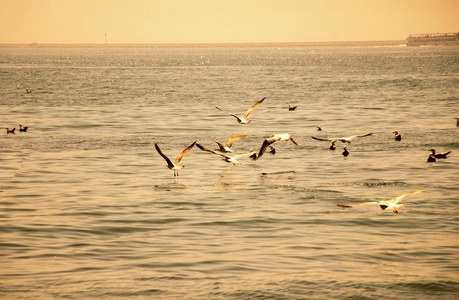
[221, 21]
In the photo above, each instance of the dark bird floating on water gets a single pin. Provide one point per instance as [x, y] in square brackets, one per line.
[387, 205]
[28, 91]
[10, 130]
[22, 129]
[332, 146]
[346, 139]
[319, 128]
[243, 119]
[439, 155]
[292, 107]
[174, 165]
[277, 137]
[398, 136]
[457, 121]
[229, 142]
[345, 152]
[227, 158]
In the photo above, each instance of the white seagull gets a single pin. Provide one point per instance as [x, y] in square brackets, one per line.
[243, 119]
[346, 139]
[227, 158]
[174, 165]
[229, 142]
[387, 205]
[277, 137]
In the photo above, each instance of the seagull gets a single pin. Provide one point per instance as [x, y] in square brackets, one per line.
[439, 155]
[22, 129]
[345, 152]
[388, 205]
[457, 121]
[398, 136]
[243, 120]
[10, 130]
[332, 146]
[227, 158]
[229, 142]
[319, 128]
[278, 137]
[28, 91]
[174, 165]
[346, 139]
[292, 107]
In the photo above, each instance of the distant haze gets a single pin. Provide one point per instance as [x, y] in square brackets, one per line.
[221, 21]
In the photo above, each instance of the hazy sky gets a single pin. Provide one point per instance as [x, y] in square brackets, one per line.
[221, 21]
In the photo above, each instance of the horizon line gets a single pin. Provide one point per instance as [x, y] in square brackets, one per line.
[203, 45]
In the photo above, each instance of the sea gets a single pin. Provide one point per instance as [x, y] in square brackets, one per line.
[89, 209]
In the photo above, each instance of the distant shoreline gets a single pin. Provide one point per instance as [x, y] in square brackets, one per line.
[213, 45]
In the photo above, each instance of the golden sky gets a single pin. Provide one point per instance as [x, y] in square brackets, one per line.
[222, 21]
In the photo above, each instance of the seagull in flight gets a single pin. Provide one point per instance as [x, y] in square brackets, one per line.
[277, 137]
[346, 139]
[229, 142]
[387, 205]
[227, 158]
[174, 165]
[243, 119]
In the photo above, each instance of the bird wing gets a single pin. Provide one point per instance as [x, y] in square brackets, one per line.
[179, 157]
[247, 154]
[252, 108]
[366, 134]
[294, 142]
[228, 112]
[266, 144]
[219, 144]
[169, 163]
[212, 151]
[361, 204]
[399, 198]
[325, 139]
[232, 139]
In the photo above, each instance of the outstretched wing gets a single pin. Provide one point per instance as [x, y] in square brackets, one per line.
[247, 154]
[179, 157]
[324, 139]
[232, 139]
[211, 151]
[169, 163]
[227, 112]
[291, 138]
[266, 144]
[366, 134]
[400, 198]
[252, 108]
[219, 144]
[361, 204]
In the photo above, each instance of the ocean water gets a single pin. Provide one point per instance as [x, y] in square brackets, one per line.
[89, 210]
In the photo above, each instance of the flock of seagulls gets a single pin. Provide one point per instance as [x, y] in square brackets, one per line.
[225, 152]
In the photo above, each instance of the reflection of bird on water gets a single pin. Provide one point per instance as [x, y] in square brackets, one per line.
[174, 165]
[278, 137]
[229, 142]
[398, 136]
[243, 119]
[227, 158]
[346, 139]
[345, 151]
[439, 155]
[10, 130]
[387, 205]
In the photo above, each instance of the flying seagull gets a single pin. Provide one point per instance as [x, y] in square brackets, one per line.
[229, 142]
[225, 157]
[174, 165]
[243, 119]
[277, 137]
[346, 139]
[387, 205]
[439, 155]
